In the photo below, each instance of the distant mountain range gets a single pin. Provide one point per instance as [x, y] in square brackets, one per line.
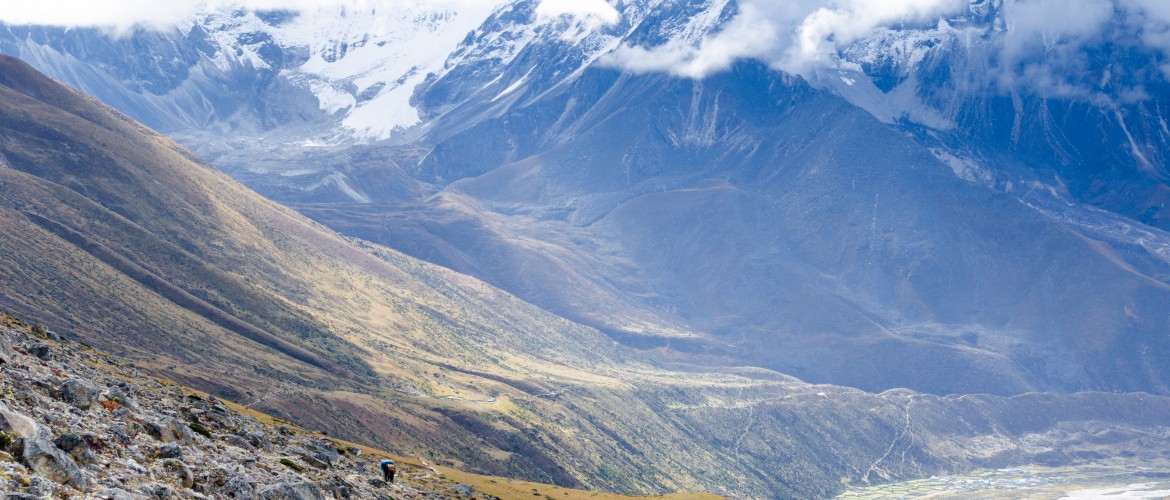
[915, 215]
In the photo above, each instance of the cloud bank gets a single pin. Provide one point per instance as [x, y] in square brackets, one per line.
[793, 36]
[1041, 42]
[595, 11]
[123, 15]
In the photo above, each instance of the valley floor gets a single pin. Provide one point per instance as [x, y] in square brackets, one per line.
[1119, 479]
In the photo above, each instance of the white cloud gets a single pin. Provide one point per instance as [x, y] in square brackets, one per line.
[590, 11]
[746, 35]
[124, 14]
[794, 36]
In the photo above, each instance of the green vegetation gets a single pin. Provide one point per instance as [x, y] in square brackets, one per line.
[199, 428]
[292, 465]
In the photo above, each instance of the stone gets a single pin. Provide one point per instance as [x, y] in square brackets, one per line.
[171, 451]
[43, 458]
[308, 457]
[259, 440]
[76, 447]
[353, 450]
[28, 397]
[291, 491]
[79, 393]
[19, 496]
[115, 494]
[40, 350]
[238, 488]
[325, 452]
[238, 442]
[156, 491]
[16, 425]
[171, 430]
[178, 470]
[338, 488]
[463, 490]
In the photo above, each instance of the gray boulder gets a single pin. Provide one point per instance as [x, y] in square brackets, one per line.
[40, 350]
[16, 425]
[5, 350]
[238, 442]
[79, 393]
[291, 491]
[115, 494]
[171, 451]
[238, 488]
[171, 430]
[325, 452]
[43, 458]
[76, 447]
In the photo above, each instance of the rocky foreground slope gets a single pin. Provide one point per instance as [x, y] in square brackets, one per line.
[77, 422]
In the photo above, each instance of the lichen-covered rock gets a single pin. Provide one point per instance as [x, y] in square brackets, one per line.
[79, 393]
[44, 459]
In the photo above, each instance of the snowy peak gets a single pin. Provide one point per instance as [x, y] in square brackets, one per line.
[362, 65]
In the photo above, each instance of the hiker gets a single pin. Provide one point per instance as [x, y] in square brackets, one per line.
[387, 470]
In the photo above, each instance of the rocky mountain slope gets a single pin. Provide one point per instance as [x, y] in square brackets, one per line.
[76, 420]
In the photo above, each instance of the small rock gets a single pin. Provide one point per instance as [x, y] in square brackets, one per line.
[339, 489]
[238, 488]
[43, 458]
[16, 425]
[291, 491]
[79, 393]
[76, 447]
[308, 457]
[156, 491]
[179, 471]
[115, 494]
[354, 450]
[171, 430]
[238, 442]
[27, 396]
[259, 440]
[325, 452]
[171, 451]
[20, 496]
[40, 350]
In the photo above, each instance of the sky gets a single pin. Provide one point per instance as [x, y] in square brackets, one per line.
[1043, 37]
